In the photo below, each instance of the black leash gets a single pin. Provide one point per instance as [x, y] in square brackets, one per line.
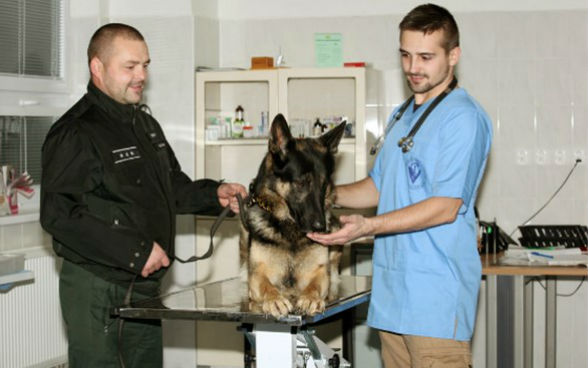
[225, 212]
[127, 300]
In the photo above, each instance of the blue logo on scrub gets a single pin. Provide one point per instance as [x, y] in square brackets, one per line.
[414, 170]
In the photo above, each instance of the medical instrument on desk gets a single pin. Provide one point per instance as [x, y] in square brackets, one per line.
[406, 143]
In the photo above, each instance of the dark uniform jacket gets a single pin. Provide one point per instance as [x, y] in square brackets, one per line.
[111, 186]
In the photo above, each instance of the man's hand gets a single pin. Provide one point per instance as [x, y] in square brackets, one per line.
[227, 195]
[354, 227]
[156, 260]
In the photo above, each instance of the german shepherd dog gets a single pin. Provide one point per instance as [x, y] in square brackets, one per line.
[291, 196]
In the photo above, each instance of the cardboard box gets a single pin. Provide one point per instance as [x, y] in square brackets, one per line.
[262, 62]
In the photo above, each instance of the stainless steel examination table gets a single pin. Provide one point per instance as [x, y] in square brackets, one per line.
[277, 342]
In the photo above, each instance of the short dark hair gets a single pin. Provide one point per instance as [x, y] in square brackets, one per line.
[104, 36]
[429, 18]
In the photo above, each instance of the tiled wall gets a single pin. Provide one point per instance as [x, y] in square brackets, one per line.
[528, 69]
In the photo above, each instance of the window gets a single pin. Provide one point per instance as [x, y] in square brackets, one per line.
[21, 139]
[32, 39]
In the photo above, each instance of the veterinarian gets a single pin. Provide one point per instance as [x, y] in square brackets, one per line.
[110, 193]
[426, 268]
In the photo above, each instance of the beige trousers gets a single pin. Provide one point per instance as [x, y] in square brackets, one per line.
[408, 351]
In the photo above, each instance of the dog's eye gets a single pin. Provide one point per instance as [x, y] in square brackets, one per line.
[303, 181]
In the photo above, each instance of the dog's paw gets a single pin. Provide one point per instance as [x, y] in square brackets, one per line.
[277, 306]
[310, 305]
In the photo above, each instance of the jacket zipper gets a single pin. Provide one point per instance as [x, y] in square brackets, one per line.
[157, 170]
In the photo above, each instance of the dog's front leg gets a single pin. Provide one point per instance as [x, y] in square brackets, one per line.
[266, 295]
[314, 288]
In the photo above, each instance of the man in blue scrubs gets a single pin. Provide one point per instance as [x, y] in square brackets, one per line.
[426, 268]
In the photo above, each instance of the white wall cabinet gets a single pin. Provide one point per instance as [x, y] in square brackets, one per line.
[298, 94]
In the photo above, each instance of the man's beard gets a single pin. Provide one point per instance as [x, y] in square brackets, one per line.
[427, 86]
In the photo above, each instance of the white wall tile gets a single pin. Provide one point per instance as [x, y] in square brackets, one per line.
[553, 34]
[553, 82]
[554, 127]
[480, 78]
[479, 34]
[516, 83]
[516, 34]
[516, 139]
[580, 130]
[32, 235]
[206, 42]
[516, 181]
[558, 211]
[11, 237]
[579, 77]
[581, 210]
[512, 212]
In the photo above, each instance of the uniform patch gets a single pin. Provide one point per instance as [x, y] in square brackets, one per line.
[125, 154]
[414, 170]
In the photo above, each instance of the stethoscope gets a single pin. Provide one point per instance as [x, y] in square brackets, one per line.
[406, 143]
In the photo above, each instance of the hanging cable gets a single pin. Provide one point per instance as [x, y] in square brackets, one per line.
[551, 198]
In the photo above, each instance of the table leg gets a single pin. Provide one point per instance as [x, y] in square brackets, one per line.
[491, 321]
[275, 346]
[550, 325]
[519, 321]
[529, 324]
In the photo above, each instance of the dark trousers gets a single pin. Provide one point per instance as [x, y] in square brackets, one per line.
[86, 303]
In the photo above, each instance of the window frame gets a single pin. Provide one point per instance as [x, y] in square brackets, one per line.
[32, 83]
[30, 95]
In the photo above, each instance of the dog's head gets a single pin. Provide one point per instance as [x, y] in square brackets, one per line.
[302, 169]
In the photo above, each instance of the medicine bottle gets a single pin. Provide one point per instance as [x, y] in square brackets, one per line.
[237, 128]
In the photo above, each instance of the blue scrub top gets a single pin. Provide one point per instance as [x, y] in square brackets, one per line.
[426, 282]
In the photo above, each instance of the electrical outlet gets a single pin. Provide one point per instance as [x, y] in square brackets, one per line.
[522, 157]
[579, 154]
[559, 157]
[541, 157]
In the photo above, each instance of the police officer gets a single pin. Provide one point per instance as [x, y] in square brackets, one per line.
[110, 192]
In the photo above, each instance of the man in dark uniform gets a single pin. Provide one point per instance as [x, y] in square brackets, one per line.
[110, 193]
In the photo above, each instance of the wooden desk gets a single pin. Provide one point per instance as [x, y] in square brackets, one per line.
[523, 309]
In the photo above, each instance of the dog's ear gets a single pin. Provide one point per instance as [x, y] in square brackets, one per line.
[279, 135]
[332, 138]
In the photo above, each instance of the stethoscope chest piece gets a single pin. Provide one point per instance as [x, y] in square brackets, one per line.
[406, 144]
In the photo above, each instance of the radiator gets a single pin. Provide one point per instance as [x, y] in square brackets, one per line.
[31, 328]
